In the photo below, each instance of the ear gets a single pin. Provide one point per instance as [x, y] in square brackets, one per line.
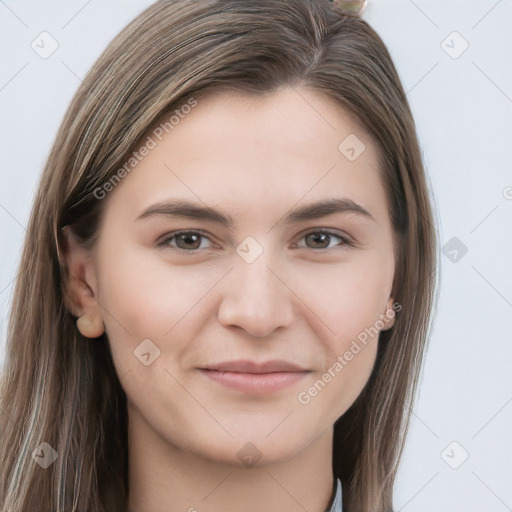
[79, 281]
[389, 315]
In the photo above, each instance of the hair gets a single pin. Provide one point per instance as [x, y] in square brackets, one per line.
[60, 388]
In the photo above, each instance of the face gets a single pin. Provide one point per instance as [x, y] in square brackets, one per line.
[253, 233]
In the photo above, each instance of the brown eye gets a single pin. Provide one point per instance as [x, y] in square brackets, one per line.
[325, 240]
[188, 241]
[318, 240]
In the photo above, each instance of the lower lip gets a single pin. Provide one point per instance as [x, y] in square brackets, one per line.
[255, 382]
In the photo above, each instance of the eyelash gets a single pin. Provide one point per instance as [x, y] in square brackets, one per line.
[346, 242]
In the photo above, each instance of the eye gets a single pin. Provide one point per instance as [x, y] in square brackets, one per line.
[189, 241]
[324, 240]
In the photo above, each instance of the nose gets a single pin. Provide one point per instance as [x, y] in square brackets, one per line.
[256, 298]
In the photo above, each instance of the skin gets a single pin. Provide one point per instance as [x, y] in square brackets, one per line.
[254, 158]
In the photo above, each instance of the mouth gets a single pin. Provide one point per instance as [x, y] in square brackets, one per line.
[255, 378]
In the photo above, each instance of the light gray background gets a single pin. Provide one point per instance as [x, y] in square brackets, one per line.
[462, 104]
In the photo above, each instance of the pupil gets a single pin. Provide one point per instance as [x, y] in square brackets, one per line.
[319, 238]
[188, 239]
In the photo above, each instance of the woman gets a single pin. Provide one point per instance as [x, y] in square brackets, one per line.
[227, 283]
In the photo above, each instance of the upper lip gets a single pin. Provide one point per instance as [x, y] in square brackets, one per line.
[245, 366]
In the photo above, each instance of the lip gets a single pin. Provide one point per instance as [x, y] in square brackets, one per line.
[246, 366]
[255, 378]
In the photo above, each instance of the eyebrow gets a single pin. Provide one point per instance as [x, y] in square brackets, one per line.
[317, 210]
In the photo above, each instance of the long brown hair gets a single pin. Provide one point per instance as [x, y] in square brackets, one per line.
[61, 389]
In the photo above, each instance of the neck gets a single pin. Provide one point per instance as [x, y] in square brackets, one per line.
[165, 478]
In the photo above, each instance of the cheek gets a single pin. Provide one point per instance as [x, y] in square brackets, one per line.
[145, 297]
[348, 301]
[348, 307]
[348, 298]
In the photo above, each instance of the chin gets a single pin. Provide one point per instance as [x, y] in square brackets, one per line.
[253, 450]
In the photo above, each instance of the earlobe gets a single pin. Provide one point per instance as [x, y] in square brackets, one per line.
[389, 315]
[91, 325]
[77, 286]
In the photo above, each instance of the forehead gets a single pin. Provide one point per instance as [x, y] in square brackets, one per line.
[246, 149]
